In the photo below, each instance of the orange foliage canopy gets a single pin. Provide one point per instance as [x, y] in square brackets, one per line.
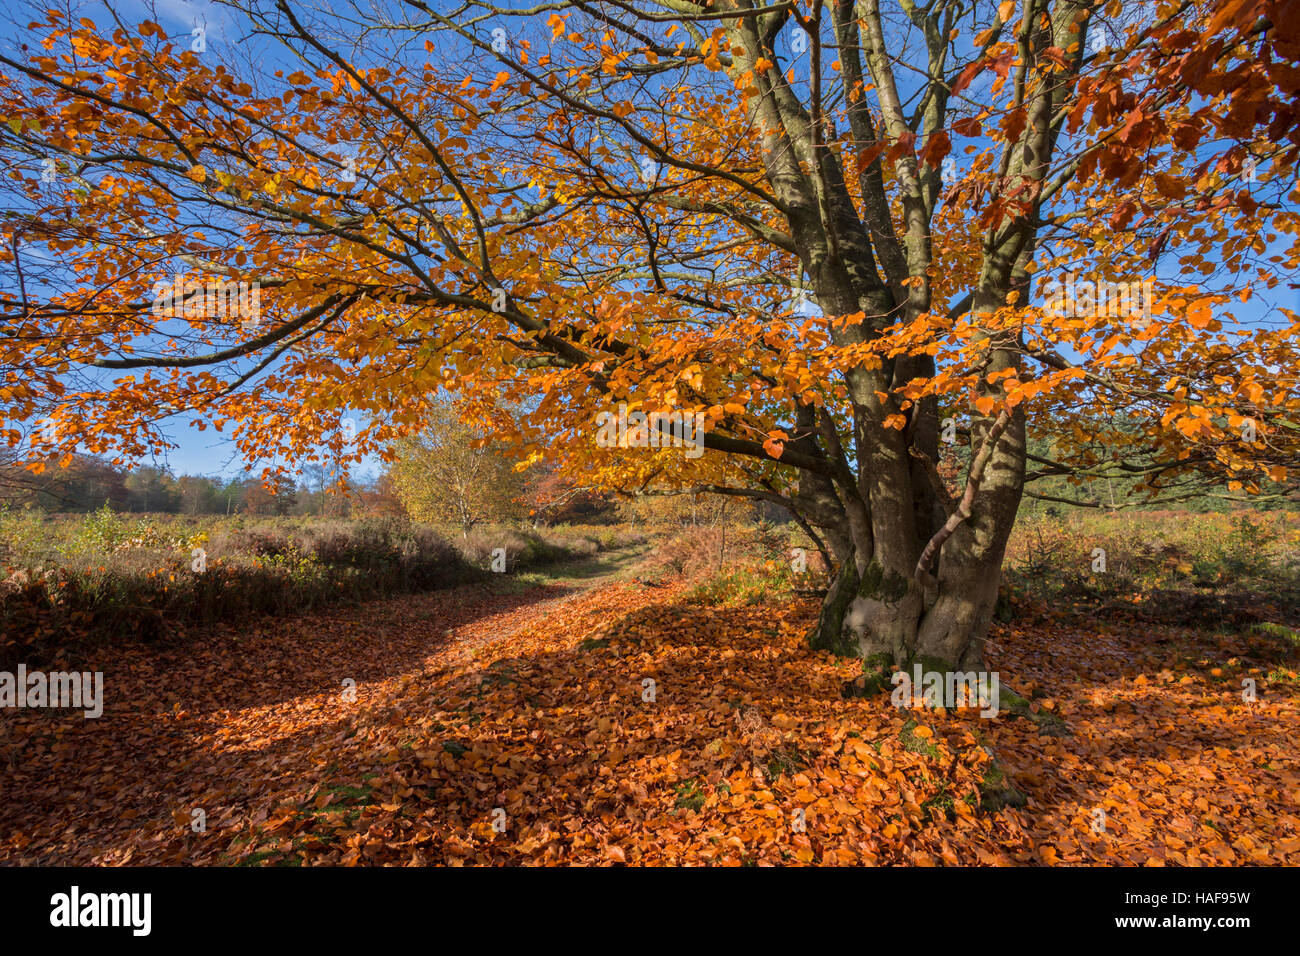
[584, 215]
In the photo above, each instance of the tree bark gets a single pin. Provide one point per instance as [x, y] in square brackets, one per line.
[917, 575]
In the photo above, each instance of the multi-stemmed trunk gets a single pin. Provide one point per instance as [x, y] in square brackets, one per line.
[878, 608]
[917, 572]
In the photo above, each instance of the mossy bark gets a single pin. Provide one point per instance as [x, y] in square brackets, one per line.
[877, 605]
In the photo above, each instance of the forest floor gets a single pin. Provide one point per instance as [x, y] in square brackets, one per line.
[580, 716]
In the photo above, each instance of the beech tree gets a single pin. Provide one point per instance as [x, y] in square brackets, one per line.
[827, 226]
[446, 474]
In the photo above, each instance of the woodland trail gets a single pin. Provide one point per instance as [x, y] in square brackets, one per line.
[578, 716]
[229, 721]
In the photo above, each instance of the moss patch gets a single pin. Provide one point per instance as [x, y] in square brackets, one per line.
[876, 677]
[915, 744]
[996, 791]
[1013, 705]
[828, 633]
[877, 584]
[929, 665]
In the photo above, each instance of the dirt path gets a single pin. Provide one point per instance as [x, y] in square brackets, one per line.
[230, 721]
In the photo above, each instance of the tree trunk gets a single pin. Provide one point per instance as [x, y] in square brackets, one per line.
[888, 619]
[877, 609]
[874, 492]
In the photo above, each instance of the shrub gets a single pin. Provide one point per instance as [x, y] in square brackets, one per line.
[109, 577]
[147, 588]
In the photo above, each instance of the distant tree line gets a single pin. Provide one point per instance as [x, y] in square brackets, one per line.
[435, 479]
[88, 483]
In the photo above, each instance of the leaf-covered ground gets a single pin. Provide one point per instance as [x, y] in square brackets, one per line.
[515, 728]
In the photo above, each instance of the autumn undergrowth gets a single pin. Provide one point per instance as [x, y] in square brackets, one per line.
[533, 547]
[109, 577]
[1229, 569]
[738, 565]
